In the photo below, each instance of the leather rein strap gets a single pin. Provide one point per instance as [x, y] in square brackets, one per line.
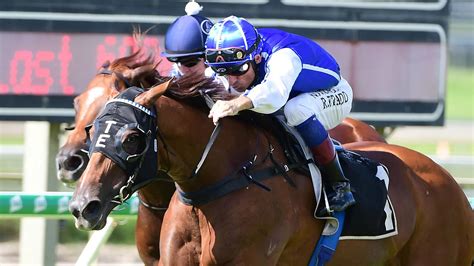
[212, 138]
[240, 179]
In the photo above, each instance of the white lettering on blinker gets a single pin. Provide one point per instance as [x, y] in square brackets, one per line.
[109, 124]
[103, 137]
[101, 140]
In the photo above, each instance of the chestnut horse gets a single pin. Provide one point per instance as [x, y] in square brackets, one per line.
[252, 226]
[72, 157]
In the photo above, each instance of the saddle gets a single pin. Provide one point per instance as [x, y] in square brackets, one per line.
[373, 217]
[300, 159]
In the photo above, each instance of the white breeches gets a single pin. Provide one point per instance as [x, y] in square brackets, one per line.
[330, 106]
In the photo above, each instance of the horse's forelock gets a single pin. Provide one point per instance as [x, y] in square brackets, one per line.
[140, 58]
[132, 61]
[136, 69]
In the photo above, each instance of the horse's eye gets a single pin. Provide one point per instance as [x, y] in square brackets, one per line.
[135, 143]
[132, 138]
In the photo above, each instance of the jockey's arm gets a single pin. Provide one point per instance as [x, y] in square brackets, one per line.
[283, 68]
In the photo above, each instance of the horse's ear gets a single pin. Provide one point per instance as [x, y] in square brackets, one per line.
[114, 94]
[149, 97]
[133, 74]
[106, 64]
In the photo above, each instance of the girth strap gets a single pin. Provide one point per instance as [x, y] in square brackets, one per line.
[232, 183]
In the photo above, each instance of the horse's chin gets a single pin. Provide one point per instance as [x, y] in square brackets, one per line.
[84, 225]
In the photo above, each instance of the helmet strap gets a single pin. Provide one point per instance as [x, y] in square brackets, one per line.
[255, 45]
[256, 71]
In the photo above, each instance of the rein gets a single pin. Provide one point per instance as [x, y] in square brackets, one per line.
[241, 178]
[212, 138]
[211, 141]
[149, 206]
[126, 190]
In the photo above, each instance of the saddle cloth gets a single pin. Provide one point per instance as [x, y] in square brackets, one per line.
[373, 216]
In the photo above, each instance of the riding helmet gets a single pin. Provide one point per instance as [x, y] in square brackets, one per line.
[187, 36]
[236, 36]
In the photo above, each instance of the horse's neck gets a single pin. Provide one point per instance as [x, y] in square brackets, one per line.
[158, 193]
[186, 132]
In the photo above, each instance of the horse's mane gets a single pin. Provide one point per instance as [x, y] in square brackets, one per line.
[142, 58]
[132, 61]
[188, 89]
[193, 85]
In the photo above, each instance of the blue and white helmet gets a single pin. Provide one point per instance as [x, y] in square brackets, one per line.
[186, 36]
[231, 43]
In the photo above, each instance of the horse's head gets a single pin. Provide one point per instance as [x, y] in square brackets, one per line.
[122, 155]
[112, 78]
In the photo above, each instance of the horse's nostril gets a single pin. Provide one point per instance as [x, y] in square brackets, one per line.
[92, 210]
[72, 163]
[75, 213]
[74, 209]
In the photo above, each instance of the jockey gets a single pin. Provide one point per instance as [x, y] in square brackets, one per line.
[185, 45]
[184, 42]
[275, 69]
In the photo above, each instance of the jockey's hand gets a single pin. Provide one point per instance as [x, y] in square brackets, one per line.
[229, 108]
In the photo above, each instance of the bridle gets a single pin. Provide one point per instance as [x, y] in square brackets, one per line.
[136, 163]
[126, 190]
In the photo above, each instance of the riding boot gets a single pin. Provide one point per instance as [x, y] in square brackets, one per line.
[317, 138]
[328, 161]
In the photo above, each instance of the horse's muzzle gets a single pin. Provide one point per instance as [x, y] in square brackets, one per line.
[70, 167]
[88, 214]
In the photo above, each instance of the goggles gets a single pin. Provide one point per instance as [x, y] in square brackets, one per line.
[230, 54]
[225, 55]
[187, 61]
[232, 70]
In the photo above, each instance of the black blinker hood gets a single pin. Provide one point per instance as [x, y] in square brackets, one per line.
[120, 115]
